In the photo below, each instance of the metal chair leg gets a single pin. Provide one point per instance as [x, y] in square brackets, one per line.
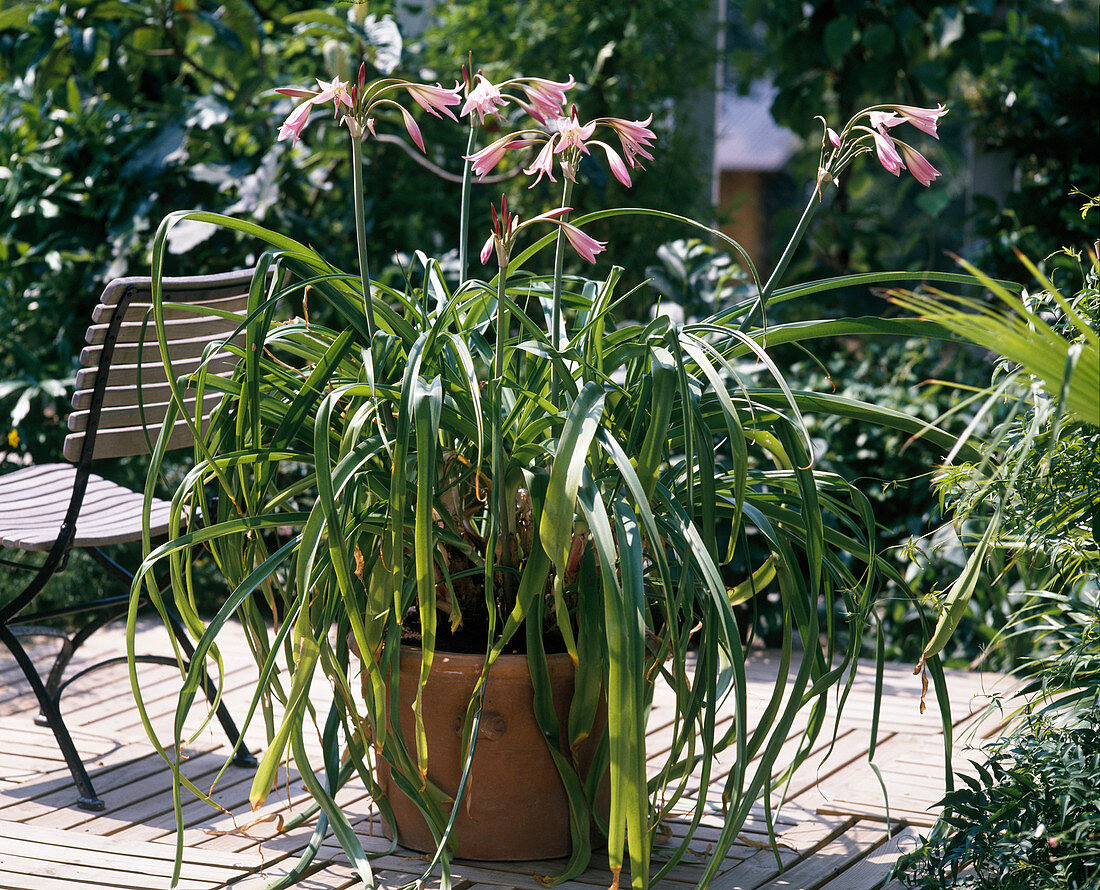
[88, 800]
[241, 755]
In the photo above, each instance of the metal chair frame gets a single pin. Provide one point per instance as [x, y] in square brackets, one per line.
[15, 621]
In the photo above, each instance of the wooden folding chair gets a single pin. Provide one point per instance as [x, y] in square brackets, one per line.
[121, 400]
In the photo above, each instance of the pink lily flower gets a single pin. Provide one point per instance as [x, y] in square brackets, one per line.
[411, 126]
[618, 168]
[923, 172]
[485, 160]
[336, 91]
[887, 154]
[572, 134]
[547, 97]
[833, 137]
[487, 248]
[435, 99]
[923, 119]
[585, 245]
[635, 137]
[295, 122]
[543, 164]
[483, 98]
[882, 120]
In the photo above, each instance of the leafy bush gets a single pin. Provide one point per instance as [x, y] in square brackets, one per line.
[112, 115]
[895, 471]
[1029, 820]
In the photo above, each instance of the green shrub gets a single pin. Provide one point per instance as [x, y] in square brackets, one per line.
[1031, 817]
[1029, 820]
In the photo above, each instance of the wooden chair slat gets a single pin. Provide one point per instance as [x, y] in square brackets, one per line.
[190, 289]
[149, 414]
[153, 373]
[139, 323]
[133, 395]
[148, 353]
[127, 441]
[110, 513]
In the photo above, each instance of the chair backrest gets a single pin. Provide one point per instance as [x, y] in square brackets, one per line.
[122, 391]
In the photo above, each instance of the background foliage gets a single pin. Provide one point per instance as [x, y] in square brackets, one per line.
[1029, 817]
[1022, 80]
[115, 113]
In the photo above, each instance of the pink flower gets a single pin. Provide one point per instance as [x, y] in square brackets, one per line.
[888, 155]
[585, 245]
[833, 137]
[547, 97]
[635, 137]
[923, 119]
[292, 126]
[336, 91]
[485, 160]
[543, 164]
[434, 99]
[572, 134]
[483, 98]
[487, 248]
[615, 163]
[411, 126]
[881, 120]
[918, 165]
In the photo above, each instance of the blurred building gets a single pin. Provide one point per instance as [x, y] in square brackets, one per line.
[750, 154]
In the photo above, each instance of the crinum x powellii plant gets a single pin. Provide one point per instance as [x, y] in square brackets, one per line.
[506, 466]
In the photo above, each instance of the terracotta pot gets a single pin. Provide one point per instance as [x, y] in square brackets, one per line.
[514, 806]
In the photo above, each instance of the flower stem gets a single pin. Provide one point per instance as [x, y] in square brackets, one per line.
[555, 310]
[500, 548]
[464, 218]
[788, 252]
[361, 231]
[385, 414]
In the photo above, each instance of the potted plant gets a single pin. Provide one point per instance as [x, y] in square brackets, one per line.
[503, 467]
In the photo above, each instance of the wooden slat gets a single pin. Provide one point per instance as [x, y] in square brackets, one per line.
[33, 483]
[181, 317]
[178, 289]
[125, 441]
[129, 857]
[129, 396]
[153, 372]
[147, 413]
[125, 847]
[148, 353]
[871, 870]
[831, 860]
[795, 845]
[87, 875]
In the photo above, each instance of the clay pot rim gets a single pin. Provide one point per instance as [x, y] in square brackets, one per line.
[505, 666]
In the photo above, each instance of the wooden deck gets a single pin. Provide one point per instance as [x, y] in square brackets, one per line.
[833, 829]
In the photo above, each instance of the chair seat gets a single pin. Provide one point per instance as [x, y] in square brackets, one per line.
[33, 502]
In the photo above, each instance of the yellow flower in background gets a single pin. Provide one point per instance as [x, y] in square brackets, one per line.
[13, 439]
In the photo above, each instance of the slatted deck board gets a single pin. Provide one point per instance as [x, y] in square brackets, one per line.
[833, 830]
